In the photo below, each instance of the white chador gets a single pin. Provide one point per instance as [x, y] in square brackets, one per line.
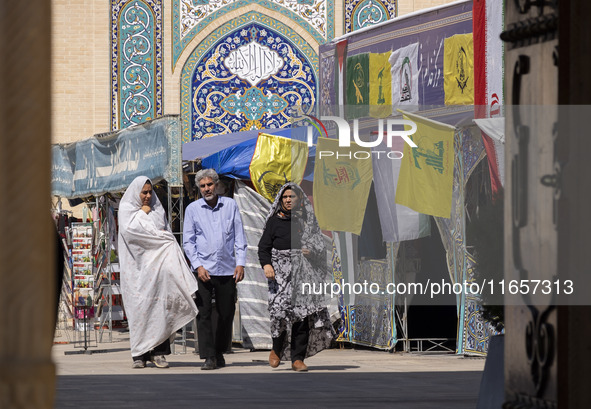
[156, 282]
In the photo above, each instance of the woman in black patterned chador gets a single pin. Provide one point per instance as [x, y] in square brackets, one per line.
[292, 252]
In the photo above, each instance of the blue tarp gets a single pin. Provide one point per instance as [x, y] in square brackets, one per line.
[202, 148]
[230, 155]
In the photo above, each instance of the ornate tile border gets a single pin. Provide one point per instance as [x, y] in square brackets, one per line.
[136, 61]
[367, 13]
[213, 38]
[189, 17]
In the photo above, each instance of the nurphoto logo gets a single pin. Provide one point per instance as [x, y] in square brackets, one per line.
[392, 130]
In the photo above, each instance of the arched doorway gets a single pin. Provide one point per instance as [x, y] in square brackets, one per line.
[253, 73]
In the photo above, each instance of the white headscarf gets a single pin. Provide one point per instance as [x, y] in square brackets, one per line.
[131, 203]
[156, 282]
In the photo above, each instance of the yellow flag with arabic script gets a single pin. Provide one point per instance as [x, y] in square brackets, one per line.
[276, 161]
[380, 85]
[458, 70]
[425, 182]
[342, 179]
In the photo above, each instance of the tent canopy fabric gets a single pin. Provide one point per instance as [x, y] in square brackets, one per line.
[202, 148]
[230, 155]
[108, 163]
[253, 291]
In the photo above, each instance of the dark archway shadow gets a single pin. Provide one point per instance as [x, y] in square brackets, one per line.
[216, 389]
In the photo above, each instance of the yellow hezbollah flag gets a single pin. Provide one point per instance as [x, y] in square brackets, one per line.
[380, 85]
[458, 70]
[276, 161]
[425, 183]
[342, 179]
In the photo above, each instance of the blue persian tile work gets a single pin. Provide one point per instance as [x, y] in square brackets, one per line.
[136, 63]
[191, 17]
[247, 75]
[366, 13]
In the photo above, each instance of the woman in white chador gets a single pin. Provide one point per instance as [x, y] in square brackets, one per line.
[156, 282]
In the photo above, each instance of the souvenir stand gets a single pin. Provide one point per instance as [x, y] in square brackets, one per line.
[419, 63]
[98, 170]
[85, 276]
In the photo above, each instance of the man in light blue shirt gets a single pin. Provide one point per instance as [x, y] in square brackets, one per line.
[214, 242]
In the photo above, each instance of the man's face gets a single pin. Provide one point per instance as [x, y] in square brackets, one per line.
[207, 188]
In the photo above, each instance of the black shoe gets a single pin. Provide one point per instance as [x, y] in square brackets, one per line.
[209, 364]
[220, 361]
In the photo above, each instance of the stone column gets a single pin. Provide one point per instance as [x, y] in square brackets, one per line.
[27, 274]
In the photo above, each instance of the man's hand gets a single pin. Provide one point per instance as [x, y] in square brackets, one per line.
[306, 252]
[269, 271]
[239, 273]
[146, 209]
[203, 274]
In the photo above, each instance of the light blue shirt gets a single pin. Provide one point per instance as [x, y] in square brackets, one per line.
[214, 237]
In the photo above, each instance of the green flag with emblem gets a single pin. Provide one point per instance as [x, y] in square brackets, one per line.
[357, 86]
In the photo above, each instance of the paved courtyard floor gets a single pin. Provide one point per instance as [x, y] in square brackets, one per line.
[346, 378]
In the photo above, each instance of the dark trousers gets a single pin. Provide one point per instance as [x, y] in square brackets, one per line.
[224, 287]
[299, 340]
[162, 349]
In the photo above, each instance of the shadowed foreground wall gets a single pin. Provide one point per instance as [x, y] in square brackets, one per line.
[27, 276]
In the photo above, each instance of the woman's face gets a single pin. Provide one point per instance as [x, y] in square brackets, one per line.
[289, 199]
[146, 195]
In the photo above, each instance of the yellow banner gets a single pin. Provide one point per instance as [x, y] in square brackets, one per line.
[342, 179]
[380, 85]
[425, 183]
[276, 161]
[458, 70]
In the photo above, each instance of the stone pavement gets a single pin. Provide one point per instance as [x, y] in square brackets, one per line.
[346, 378]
